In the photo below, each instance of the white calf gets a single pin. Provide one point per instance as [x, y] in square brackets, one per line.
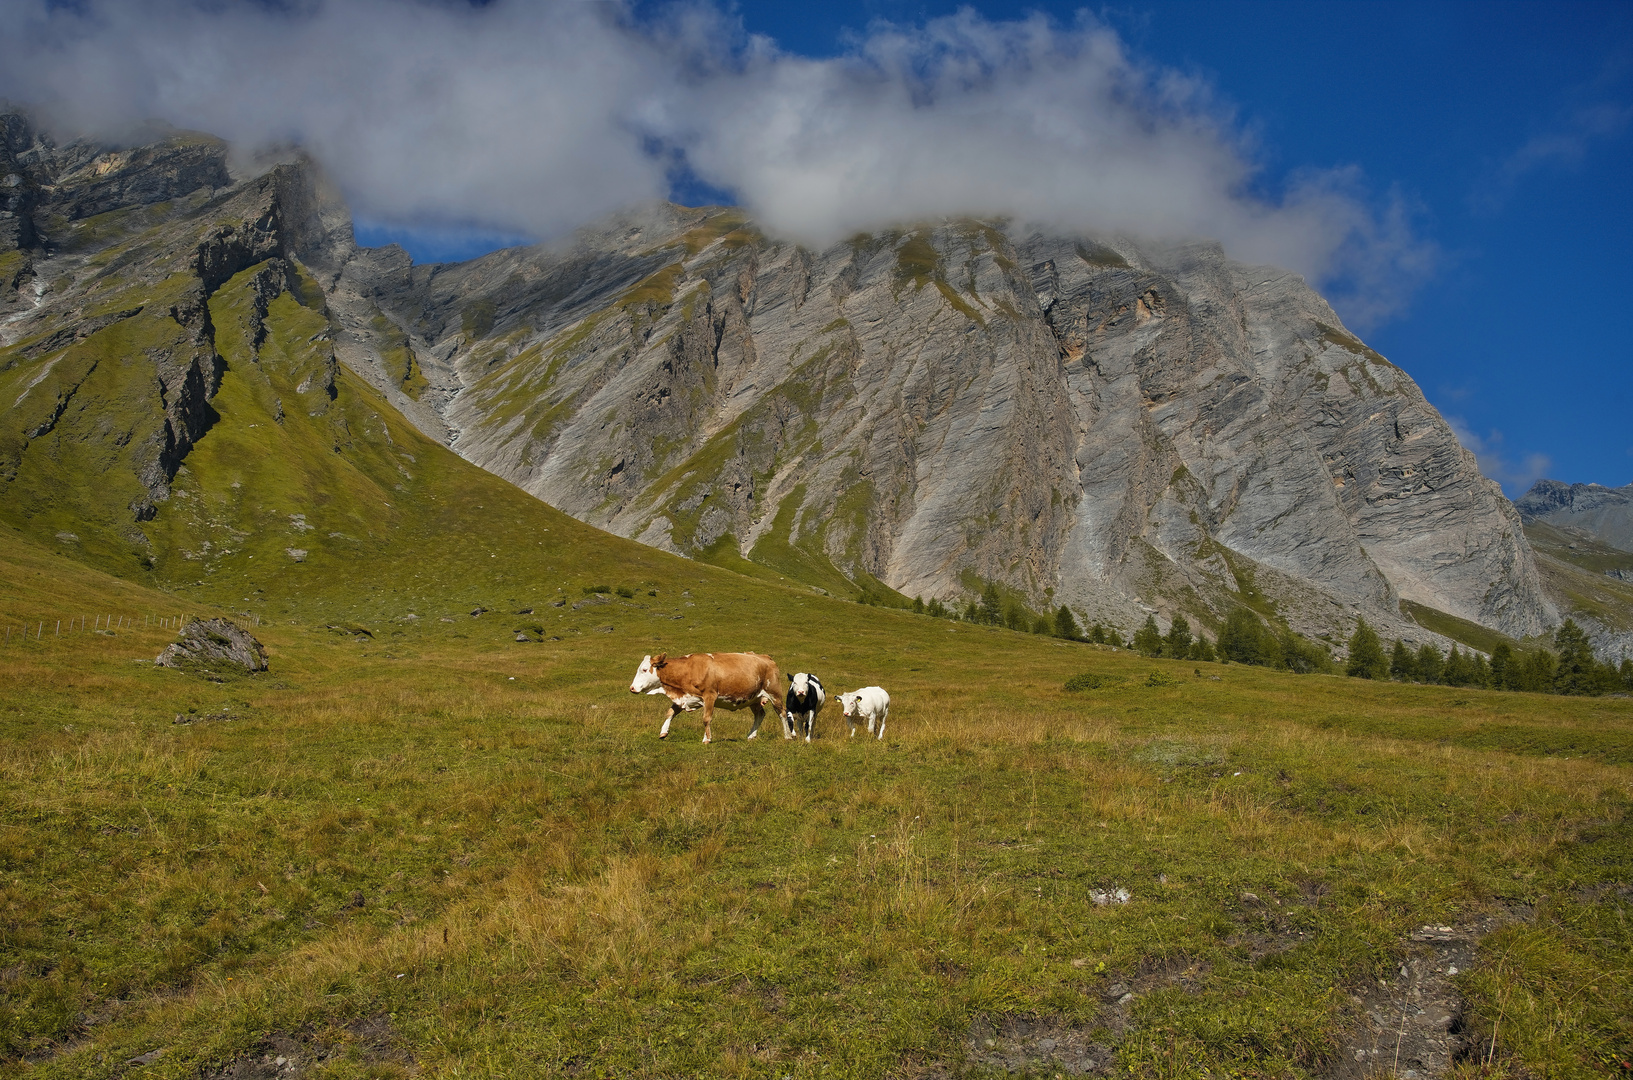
[871, 703]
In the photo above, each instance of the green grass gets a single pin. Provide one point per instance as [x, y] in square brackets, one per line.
[1332, 335]
[1471, 634]
[416, 845]
[13, 265]
[496, 823]
[1577, 548]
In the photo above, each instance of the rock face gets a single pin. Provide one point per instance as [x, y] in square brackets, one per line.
[108, 357]
[1087, 421]
[212, 642]
[1122, 428]
[1582, 535]
[1603, 513]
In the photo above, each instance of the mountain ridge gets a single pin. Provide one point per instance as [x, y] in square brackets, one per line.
[711, 310]
[1122, 429]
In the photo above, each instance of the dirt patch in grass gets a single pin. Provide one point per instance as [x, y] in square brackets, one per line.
[1412, 1024]
[1027, 1044]
[368, 1041]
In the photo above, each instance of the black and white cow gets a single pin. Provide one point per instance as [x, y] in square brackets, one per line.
[804, 701]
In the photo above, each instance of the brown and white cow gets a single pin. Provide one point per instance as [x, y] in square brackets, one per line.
[703, 680]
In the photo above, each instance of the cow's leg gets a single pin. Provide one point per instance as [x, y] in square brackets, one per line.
[870, 723]
[708, 715]
[882, 718]
[757, 707]
[810, 724]
[851, 720]
[790, 724]
[663, 732]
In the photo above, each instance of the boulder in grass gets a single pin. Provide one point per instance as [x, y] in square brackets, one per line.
[214, 646]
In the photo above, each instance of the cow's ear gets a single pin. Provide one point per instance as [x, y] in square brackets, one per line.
[659, 660]
[790, 675]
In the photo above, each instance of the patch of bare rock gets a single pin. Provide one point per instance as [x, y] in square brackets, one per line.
[1411, 1026]
[212, 647]
[284, 1056]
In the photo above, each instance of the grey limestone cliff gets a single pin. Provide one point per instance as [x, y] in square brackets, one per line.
[1119, 427]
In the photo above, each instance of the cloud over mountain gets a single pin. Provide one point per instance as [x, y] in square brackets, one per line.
[539, 117]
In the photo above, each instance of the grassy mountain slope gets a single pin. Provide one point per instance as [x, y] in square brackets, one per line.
[425, 848]
[1576, 569]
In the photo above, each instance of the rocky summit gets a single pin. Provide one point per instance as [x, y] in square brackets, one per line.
[1122, 427]
[1602, 512]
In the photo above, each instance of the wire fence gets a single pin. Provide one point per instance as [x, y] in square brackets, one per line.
[56, 627]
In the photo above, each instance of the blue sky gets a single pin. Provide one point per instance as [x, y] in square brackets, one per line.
[1502, 130]
[1454, 177]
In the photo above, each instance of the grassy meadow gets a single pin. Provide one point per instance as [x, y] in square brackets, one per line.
[421, 847]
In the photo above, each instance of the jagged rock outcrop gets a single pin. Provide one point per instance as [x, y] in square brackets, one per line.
[211, 644]
[108, 359]
[1089, 421]
[1604, 513]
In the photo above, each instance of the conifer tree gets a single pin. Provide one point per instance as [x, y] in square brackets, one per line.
[992, 606]
[1502, 667]
[1574, 671]
[1536, 672]
[1148, 639]
[1066, 625]
[1479, 671]
[1430, 662]
[1366, 654]
[1178, 642]
[1241, 639]
[1402, 664]
[1456, 671]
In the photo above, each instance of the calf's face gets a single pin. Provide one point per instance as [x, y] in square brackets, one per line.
[849, 702]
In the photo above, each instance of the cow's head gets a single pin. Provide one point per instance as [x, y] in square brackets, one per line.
[646, 679]
[799, 684]
[849, 702]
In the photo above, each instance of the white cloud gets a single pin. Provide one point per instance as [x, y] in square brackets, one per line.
[539, 117]
[514, 116]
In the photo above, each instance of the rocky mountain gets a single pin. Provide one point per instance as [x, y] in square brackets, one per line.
[1583, 538]
[1121, 427]
[1604, 513]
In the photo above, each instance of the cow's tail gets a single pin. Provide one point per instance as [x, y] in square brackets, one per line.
[771, 685]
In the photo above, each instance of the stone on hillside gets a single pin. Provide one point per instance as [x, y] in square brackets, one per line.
[214, 642]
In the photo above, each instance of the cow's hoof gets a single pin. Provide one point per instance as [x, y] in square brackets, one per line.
[752, 735]
[663, 734]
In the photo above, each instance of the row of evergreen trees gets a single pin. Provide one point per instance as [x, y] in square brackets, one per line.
[1243, 640]
[1570, 667]
[992, 609]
